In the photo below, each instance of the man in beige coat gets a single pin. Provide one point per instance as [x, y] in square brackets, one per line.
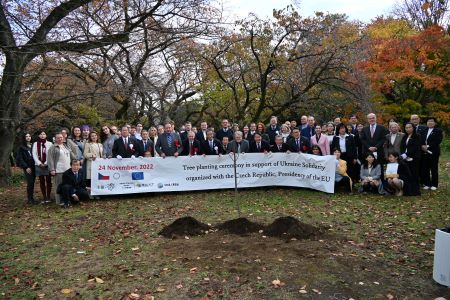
[393, 140]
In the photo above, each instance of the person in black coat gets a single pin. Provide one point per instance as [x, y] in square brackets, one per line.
[190, 146]
[210, 146]
[258, 145]
[431, 139]
[415, 120]
[410, 149]
[224, 131]
[373, 137]
[279, 145]
[298, 143]
[273, 130]
[201, 134]
[25, 161]
[346, 144]
[146, 144]
[73, 187]
[225, 145]
[187, 129]
[126, 146]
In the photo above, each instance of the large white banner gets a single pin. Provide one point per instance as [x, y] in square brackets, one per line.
[141, 175]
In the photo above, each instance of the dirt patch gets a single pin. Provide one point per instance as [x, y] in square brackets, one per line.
[289, 227]
[184, 226]
[241, 226]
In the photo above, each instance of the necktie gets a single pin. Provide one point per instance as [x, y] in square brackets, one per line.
[125, 140]
[145, 145]
[169, 140]
[279, 147]
[191, 147]
[211, 145]
[239, 148]
[76, 177]
[372, 130]
[259, 147]
[298, 144]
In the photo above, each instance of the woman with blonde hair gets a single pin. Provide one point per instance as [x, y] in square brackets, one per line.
[93, 149]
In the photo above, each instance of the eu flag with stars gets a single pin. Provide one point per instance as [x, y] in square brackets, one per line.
[137, 175]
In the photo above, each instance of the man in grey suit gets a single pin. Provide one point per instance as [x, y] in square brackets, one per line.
[393, 140]
[168, 143]
[238, 144]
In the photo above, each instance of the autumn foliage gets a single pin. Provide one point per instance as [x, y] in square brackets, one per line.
[409, 68]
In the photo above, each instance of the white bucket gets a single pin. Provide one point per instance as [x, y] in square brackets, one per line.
[441, 266]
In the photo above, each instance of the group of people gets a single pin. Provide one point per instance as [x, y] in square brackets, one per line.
[385, 161]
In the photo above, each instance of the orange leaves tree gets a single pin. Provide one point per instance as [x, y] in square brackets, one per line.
[409, 68]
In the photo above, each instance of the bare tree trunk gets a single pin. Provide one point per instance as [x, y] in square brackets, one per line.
[9, 112]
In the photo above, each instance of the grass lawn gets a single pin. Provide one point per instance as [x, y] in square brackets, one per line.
[375, 248]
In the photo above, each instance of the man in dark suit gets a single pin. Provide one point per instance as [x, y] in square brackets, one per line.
[73, 187]
[258, 145]
[187, 129]
[238, 145]
[279, 145]
[210, 146]
[126, 146]
[273, 129]
[431, 141]
[354, 122]
[415, 120]
[298, 143]
[309, 130]
[303, 122]
[201, 134]
[373, 137]
[168, 143]
[251, 133]
[225, 145]
[146, 143]
[191, 146]
[224, 131]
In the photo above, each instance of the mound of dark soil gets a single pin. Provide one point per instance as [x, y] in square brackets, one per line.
[184, 226]
[289, 227]
[240, 226]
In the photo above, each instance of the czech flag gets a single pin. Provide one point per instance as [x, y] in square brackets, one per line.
[102, 177]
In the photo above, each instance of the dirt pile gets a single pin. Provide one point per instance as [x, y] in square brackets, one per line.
[241, 226]
[186, 226]
[289, 227]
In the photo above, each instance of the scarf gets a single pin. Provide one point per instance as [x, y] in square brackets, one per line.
[42, 150]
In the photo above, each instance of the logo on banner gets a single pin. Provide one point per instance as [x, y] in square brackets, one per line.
[102, 177]
[110, 186]
[116, 176]
[137, 175]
